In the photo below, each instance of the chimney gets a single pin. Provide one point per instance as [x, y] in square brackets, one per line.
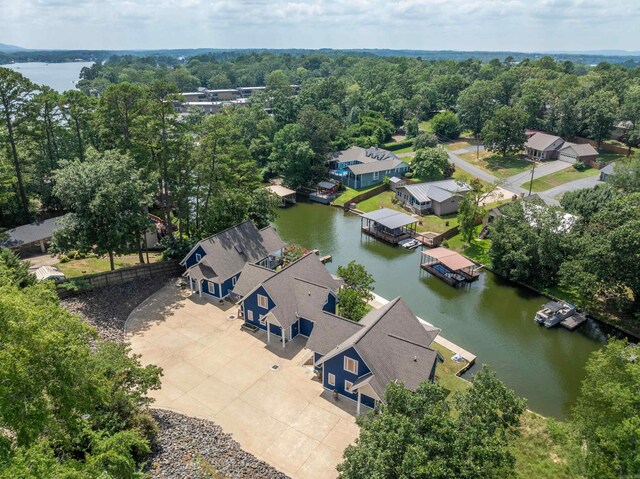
[415, 359]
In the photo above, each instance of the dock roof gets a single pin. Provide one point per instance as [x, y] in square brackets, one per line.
[452, 260]
[280, 190]
[390, 218]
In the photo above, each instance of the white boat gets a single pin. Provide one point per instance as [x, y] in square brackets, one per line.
[410, 244]
[554, 312]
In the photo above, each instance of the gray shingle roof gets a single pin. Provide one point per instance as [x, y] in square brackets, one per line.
[330, 331]
[608, 170]
[363, 155]
[201, 271]
[228, 251]
[252, 275]
[436, 190]
[300, 289]
[25, 234]
[383, 165]
[582, 149]
[395, 346]
[541, 141]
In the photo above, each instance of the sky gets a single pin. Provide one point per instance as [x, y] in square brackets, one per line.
[490, 25]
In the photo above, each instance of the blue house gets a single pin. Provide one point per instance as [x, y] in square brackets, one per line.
[214, 265]
[289, 302]
[388, 344]
[359, 167]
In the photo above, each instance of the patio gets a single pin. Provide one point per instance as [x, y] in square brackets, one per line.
[265, 396]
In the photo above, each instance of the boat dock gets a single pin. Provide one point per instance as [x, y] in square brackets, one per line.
[573, 321]
[379, 301]
[451, 267]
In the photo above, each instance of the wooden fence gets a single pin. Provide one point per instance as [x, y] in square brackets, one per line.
[366, 195]
[604, 146]
[124, 275]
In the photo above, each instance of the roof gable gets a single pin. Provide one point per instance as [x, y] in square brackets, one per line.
[436, 190]
[541, 141]
[228, 251]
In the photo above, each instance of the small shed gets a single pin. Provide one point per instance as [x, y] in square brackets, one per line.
[287, 196]
[395, 183]
[388, 225]
[606, 173]
[326, 192]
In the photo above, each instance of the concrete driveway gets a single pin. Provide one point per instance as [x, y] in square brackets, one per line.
[264, 395]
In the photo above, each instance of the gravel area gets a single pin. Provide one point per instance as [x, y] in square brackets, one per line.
[190, 448]
[108, 308]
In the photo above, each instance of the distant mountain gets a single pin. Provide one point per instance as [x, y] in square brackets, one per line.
[10, 48]
[606, 53]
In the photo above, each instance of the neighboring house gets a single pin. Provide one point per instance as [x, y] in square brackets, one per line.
[395, 183]
[214, 265]
[31, 238]
[607, 173]
[531, 205]
[289, 302]
[389, 344]
[572, 153]
[438, 197]
[359, 167]
[542, 146]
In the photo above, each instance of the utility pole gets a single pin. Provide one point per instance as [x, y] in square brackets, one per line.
[533, 169]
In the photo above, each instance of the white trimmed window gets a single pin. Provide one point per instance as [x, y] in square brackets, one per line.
[198, 257]
[263, 302]
[263, 319]
[376, 175]
[348, 385]
[331, 379]
[250, 315]
[350, 365]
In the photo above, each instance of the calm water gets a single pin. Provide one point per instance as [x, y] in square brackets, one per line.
[59, 76]
[490, 318]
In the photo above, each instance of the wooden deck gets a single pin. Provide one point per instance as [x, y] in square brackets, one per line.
[573, 321]
[391, 239]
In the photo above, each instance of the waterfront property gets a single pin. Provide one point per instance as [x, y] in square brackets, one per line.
[390, 344]
[289, 302]
[451, 267]
[213, 266]
[359, 167]
[325, 193]
[437, 197]
[388, 225]
[287, 197]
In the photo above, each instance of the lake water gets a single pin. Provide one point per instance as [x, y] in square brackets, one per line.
[59, 76]
[490, 318]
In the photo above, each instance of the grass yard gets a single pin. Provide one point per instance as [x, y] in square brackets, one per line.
[559, 178]
[537, 454]
[447, 371]
[433, 223]
[81, 267]
[496, 164]
[478, 250]
[457, 145]
[426, 126]
[608, 156]
[350, 193]
[406, 149]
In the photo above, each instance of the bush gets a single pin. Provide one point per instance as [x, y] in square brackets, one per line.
[175, 247]
[579, 166]
[425, 140]
[398, 145]
[75, 286]
[63, 258]
[408, 174]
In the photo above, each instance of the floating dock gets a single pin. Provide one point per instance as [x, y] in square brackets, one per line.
[572, 322]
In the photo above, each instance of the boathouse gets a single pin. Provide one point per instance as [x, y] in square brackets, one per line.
[449, 266]
[388, 225]
[287, 197]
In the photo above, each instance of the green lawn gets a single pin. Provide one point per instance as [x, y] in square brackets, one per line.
[350, 193]
[496, 164]
[537, 454]
[406, 149]
[559, 178]
[478, 250]
[81, 267]
[457, 145]
[447, 372]
[608, 156]
[433, 223]
[426, 126]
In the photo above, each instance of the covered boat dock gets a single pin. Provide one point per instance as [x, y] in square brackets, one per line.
[388, 225]
[449, 266]
[287, 196]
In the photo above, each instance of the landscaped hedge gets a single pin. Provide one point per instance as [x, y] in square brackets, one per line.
[398, 145]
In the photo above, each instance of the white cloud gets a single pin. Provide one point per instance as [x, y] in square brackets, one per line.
[421, 24]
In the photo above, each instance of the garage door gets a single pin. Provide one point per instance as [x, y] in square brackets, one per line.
[567, 158]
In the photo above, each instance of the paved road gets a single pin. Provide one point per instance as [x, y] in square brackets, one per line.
[514, 182]
[549, 196]
[469, 168]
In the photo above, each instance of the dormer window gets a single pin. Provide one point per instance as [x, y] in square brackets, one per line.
[198, 257]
